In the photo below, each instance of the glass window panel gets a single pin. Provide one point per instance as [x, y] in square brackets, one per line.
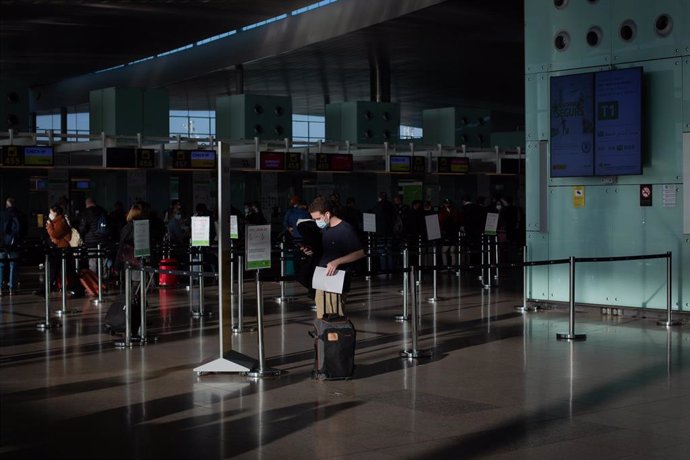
[300, 129]
[199, 126]
[317, 131]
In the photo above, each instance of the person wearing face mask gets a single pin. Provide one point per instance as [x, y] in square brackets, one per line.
[341, 247]
[177, 234]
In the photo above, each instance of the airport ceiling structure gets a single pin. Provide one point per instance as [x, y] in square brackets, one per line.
[431, 53]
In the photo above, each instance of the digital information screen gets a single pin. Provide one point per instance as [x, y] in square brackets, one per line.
[334, 162]
[453, 165]
[618, 96]
[38, 156]
[293, 161]
[572, 125]
[419, 165]
[17, 155]
[120, 157]
[203, 159]
[145, 158]
[400, 163]
[193, 159]
[271, 161]
[81, 184]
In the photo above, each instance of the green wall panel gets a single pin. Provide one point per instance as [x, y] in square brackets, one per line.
[538, 40]
[246, 116]
[537, 106]
[686, 94]
[613, 223]
[537, 277]
[647, 43]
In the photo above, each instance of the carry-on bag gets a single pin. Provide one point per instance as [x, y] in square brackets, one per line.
[89, 280]
[334, 344]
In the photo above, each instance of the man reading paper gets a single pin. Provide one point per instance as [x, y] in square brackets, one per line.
[341, 247]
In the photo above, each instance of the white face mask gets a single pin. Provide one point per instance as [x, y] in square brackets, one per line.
[52, 216]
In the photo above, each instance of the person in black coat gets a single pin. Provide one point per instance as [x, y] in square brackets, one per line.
[93, 228]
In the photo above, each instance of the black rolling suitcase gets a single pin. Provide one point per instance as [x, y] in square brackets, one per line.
[334, 343]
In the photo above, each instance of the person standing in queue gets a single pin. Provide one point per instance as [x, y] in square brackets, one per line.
[341, 247]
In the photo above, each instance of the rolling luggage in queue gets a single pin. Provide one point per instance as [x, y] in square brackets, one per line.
[89, 280]
[165, 279]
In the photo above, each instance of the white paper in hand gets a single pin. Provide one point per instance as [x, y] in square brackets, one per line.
[333, 283]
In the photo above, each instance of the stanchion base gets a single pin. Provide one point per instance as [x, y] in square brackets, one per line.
[434, 299]
[524, 309]
[67, 312]
[401, 318]
[237, 330]
[122, 344]
[486, 286]
[263, 373]
[197, 315]
[138, 340]
[285, 299]
[367, 278]
[668, 323]
[45, 326]
[574, 337]
[96, 301]
[414, 354]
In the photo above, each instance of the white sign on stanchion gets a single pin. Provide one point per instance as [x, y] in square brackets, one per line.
[201, 231]
[491, 223]
[369, 222]
[142, 242]
[433, 227]
[258, 247]
[234, 228]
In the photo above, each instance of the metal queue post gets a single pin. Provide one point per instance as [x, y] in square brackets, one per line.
[99, 258]
[47, 324]
[239, 326]
[405, 290]
[669, 321]
[63, 280]
[571, 335]
[434, 297]
[283, 273]
[414, 353]
[258, 257]
[126, 342]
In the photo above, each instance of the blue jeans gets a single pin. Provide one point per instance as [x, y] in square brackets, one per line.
[4, 255]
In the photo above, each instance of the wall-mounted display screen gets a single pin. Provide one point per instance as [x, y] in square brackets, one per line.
[618, 141]
[334, 162]
[400, 163]
[596, 124]
[81, 185]
[145, 158]
[203, 159]
[193, 159]
[293, 161]
[572, 125]
[18, 155]
[453, 165]
[271, 161]
[38, 156]
[120, 157]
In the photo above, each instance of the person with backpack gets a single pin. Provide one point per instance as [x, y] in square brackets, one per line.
[94, 229]
[13, 230]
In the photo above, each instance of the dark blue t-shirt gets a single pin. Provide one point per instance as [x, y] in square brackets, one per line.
[339, 241]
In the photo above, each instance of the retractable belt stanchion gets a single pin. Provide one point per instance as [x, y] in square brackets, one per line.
[240, 298]
[126, 342]
[200, 312]
[191, 281]
[369, 264]
[414, 352]
[63, 280]
[459, 258]
[99, 300]
[434, 297]
[232, 284]
[669, 300]
[495, 246]
[283, 274]
[46, 278]
[261, 370]
[419, 260]
[405, 290]
[571, 322]
[486, 273]
[524, 307]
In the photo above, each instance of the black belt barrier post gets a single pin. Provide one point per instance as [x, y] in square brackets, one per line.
[414, 353]
[261, 371]
[99, 269]
[405, 290]
[63, 280]
[369, 251]
[126, 342]
[240, 298]
[669, 297]
[434, 297]
[571, 323]
[46, 277]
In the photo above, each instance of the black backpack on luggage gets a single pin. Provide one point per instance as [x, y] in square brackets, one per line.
[334, 343]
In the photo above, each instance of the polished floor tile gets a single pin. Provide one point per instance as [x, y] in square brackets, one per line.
[497, 384]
